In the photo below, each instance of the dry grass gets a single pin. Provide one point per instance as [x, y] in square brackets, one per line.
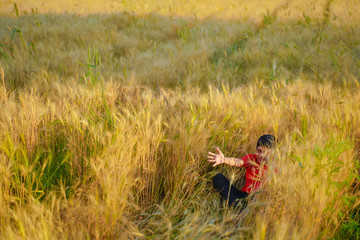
[106, 119]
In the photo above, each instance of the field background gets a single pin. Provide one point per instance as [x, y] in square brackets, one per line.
[108, 110]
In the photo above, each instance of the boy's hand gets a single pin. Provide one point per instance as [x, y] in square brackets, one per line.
[216, 158]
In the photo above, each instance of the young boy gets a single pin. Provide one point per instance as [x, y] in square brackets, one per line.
[256, 168]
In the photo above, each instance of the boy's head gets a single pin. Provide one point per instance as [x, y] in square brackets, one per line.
[264, 147]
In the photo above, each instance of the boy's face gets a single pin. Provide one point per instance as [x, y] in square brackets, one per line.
[263, 153]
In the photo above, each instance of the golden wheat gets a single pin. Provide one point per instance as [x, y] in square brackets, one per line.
[106, 117]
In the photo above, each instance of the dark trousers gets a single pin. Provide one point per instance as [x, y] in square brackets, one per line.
[229, 193]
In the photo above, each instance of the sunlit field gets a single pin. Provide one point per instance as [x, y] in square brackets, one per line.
[108, 110]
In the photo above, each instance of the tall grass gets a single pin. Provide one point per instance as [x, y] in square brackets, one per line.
[146, 174]
[105, 120]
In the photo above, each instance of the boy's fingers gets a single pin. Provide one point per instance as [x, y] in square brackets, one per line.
[211, 160]
[215, 164]
[212, 154]
[218, 150]
[211, 157]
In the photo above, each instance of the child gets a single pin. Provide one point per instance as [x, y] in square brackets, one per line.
[256, 168]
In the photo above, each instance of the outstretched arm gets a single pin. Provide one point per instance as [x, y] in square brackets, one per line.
[219, 158]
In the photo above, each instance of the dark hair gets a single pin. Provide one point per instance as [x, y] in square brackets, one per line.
[266, 141]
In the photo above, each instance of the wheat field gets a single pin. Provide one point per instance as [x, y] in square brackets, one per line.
[108, 109]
